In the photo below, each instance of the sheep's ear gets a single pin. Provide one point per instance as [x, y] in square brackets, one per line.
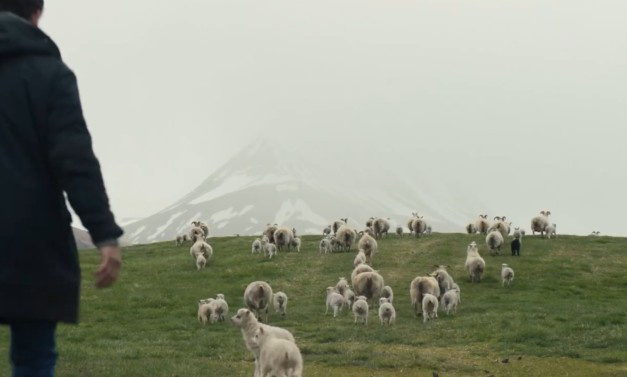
[247, 312]
[261, 331]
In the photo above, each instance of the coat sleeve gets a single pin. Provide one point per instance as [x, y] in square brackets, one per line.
[72, 160]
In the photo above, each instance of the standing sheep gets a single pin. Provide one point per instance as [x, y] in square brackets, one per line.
[507, 275]
[257, 247]
[450, 300]
[326, 231]
[359, 270]
[203, 226]
[334, 301]
[387, 293]
[540, 223]
[219, 308]
[279, 301]
[482, 224]
[257, 297]
[196, 233]
[201, 261]
[380, 227]
[360, 258]
[500, 226]
[419, 287]
[345, 237]
[338, 224]
[494, 240]
[349, 296]
[369, 284]
[399, 231]
[471, 228]
[368, 245]
[296, 243]
[278, 357]
[325, 245]
[341, 286]
[200, 247]
[551, 230]
[283, 238]
[475, 265]
[387, 313]
[445, 281]
[515, 246]
[269, 232]
[429, 307]
[360, 309]
[419, 226]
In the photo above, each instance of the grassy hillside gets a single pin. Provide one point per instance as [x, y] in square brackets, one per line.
[565, 313]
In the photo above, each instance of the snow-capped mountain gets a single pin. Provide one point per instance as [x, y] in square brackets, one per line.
[270, 182]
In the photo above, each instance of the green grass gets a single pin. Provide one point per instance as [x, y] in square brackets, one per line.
[565, 313]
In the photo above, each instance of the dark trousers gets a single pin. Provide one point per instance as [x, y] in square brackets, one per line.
[33, 351]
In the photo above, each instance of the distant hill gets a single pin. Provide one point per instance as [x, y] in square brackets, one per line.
[83, 240]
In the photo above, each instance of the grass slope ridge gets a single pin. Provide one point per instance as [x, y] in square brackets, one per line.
[564, 314]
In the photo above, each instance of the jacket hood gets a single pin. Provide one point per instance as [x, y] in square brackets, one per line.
[20, 38]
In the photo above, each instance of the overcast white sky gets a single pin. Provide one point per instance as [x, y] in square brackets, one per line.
[524, 102]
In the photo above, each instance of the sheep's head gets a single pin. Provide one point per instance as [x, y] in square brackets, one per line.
[383, 300]
[242, 317]
[504, 265]
[330, 289]
[220, 296]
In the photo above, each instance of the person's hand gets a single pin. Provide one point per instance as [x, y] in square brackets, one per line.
[110, 266]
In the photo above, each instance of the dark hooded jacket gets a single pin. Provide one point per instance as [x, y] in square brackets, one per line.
[45, 151]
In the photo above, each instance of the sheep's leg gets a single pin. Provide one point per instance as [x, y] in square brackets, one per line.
[326, 312]
[335, 310]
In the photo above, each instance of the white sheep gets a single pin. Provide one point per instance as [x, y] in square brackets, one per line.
[551, 230]
[500, 226]
[419, 287]
[540, 223]
[368, 245]
[399, 231]
[482, 224]
[338, 224]
[219, 309]
[200, 247]
[428, 230]
[257, 297]
[419, 226]
[341, 286]
[507, 275]
[205, 310]
[368, 284]
[387, 313]
[380, 227]
[495, 241]
[196, 233]
[475, 265]
[459, 292]
[450, 300]
[279, 301]
[257, 246]
[180, 239]
[201, 261]
[360, 309]
[277, 357]
[270, 250]
[269, 232]
[345, 236]
[445, 281]
[295, 244]
[325, 245]
[387, 293]
[429, 307]
[518, 234]
[360, 258]
[283, 238]
[349, 296]
[360, 269]
[334, 301]
[471, 228]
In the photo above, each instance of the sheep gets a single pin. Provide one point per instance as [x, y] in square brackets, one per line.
[380, 228]
[551, 230]
[341, 286]
[595, 233]
[360, 258]
[494, 240]
[248, 324]
[201, 261]
[445, 281]
[349, 296]
[180, 239]
[471, 228]
[359, 270]
[410, 225]
[346, 237]
[368, 245]
[419, 226]
[501, 227]
[279, 301]
[540, 223]
[360, 309]
[269, 232]
[326, 231]
[515, 246]
[257, 297]
[429, 230]
[270, 250]
[387, 293]
[283, 238]
[399, 231]
[257, 247]
[420, 286]
[196, 233]
[205, 310]
[325, 245]
[277, 357]
[429, 307]
[335, 244]
[518, 233]
[507, 275]
[338, 224]
[203, 226]
[475, 265]
[369, 222]
[387, 313]
[450, 300]
[368, 231]
[219, 308]
[296, 243]
[482, 225]
[334, 301]
[200, 247]
[369, 284]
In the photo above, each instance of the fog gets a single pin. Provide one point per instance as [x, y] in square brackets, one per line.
[511, 106]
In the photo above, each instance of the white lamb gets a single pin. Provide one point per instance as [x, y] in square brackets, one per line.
[219, 309]
[507, 274]
[257, 247]
[475, 265]
[387, 313]
[201, 261]
[387, 293]
[295, 243]
[360, 258]
[349, 296]
[257, 297]
[200, 247]
[205, 310]
[334, 301]
[341, 286]
[551, 230]
[325, 245]
[270, 250]
[450, 300]
[279, 301]
[495, 241]
[360, 309]
[429, 307]
[277, 357]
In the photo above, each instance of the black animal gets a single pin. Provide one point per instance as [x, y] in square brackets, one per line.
[516, 247]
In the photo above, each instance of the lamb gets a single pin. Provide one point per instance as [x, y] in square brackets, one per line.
[445, 281]
[387, 293]
[459, 292]
[349, 296]
[325, 245]
[279, 301]
[360, 258]
[342, 286]
[429, 307]
[219, 308]
[475, 265]
[399, 231]
[518, 234]
[283, 238]
[500, 226]
[196, 233]
[482, 224]
[257, 247]
[429, 230]
[360, 309]
[494, 240]
[368, 245]
[205, 310]
[277, 357]
[269, 232]
[334, 301]
[257, 297]
[201, 261]
[471, 228]
[380, 227]
[551, 230]
[200, 247]
[326, 231]
[180, 239]
[450, 300]
[387, 313]
[359, 270]
[346, 237]
[419, 287]
[338, 224]
[335, 244]
[296, 243]
[203, 226]
[507, 274]
[369, 284]
[540, 223]
[270, 250]
[248, 324]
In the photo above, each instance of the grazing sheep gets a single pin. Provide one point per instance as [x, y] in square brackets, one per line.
[196, 233]
[279, 301]
[257, 247]
[450, 300]
[277, 357]
[516, 242]
[201, 261]
[283, 238]
[551, 230]
[360, 309]
[349, 296]
[269, 232]
[270, 250]
[334, 301]
[219, 309]
[482, 224]
[295, 244]
[507, 274]
[494, 240]
[380, 227]
[540, 223]
[257, 297]
[359, 270]
[325, 245]
[369, 284]
[387, 313]
[387, 293]
[475, 265]
[419, 287]
[360, 258]
[248, 324]
[338, 224]
[200, 247]
[471, 228]
[399, 231]
[445, 281]
[345, 237]
[368, 245]
[341, 286]
[429, 307]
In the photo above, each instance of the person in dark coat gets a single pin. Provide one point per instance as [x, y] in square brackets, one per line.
[45, 152]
